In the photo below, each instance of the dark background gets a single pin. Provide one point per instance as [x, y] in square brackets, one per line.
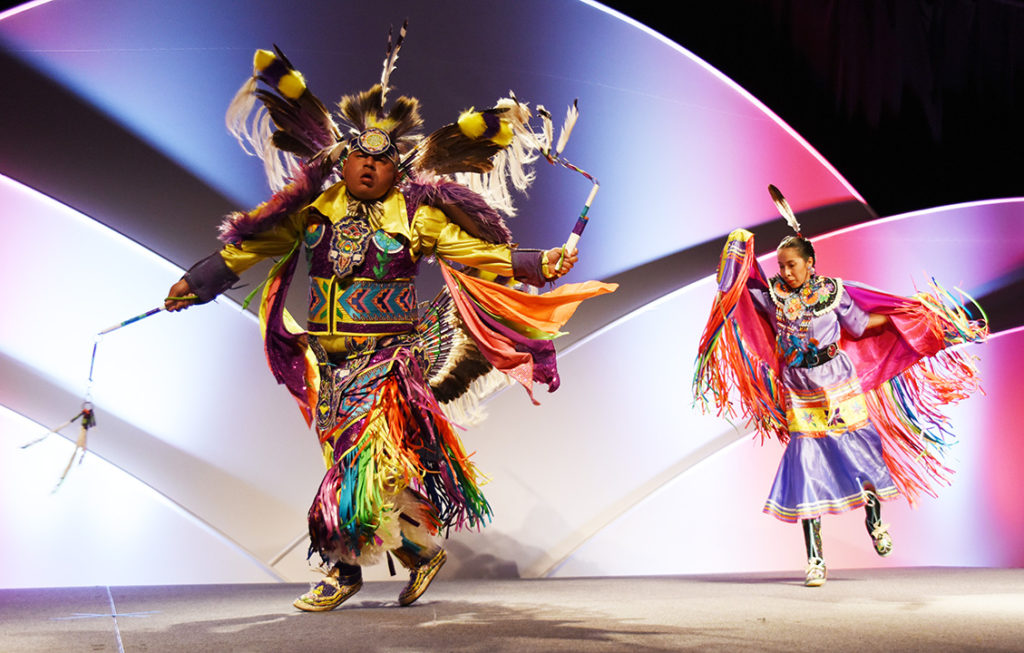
[917, 103]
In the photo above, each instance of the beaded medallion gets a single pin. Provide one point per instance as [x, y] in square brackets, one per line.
[348, 244]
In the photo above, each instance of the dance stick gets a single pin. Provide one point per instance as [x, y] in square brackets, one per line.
[130, 321]
[577, 230]
[145, 315]
[581, 223]
[87, 414]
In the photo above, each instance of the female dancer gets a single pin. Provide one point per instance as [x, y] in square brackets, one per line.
[848, 383]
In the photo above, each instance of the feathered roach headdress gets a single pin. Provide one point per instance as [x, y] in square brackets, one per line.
[277, 118]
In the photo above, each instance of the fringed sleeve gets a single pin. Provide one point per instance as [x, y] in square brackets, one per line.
[736, 351]
[305, 185]
[513, 330]
[908, 373]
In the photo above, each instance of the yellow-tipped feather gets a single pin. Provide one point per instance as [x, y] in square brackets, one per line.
[504, 135]
[262, 59]
[292, 85]
[471, 124]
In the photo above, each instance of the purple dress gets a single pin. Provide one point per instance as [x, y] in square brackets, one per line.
[834, 451]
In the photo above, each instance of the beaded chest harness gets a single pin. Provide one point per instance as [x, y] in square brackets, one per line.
[796, 308]
[371, 292]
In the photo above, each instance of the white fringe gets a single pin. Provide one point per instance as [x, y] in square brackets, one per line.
[249, 122]
[513, 164]
[238, 112]
[390, 531]
[547, 132]
[468, 409]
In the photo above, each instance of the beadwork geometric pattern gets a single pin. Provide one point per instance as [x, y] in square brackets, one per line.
[378, 301]
[319, 294]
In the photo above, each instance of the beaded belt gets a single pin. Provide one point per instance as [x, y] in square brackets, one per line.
[818, 357]
[361, 307]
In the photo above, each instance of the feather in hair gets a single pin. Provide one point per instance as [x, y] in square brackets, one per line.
[783, 207]
[362, 109]
[401, 122]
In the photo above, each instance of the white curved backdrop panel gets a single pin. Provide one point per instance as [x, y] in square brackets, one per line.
[119, 114]
[183, 406]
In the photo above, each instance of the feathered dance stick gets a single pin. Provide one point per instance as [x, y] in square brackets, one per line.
[572, 114]
[783, 206]
[87, 415]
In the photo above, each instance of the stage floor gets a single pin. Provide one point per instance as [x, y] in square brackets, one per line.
[916, 609]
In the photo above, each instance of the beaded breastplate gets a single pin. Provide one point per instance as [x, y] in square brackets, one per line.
[361, 278]
[817, 296]
[795, 308]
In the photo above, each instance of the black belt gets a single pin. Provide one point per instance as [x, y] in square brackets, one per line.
[818, 357]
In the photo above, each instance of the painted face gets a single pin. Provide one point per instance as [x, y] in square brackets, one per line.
[368, 176]
[795, 269]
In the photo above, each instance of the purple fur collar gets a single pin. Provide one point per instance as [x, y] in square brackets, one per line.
[483, 221]
[466, 208]
[303, 189]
